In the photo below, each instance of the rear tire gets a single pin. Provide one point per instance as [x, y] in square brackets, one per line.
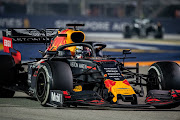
[8, 75]
[164, 76]
[159, 32]
[127, 32]
[7, 70]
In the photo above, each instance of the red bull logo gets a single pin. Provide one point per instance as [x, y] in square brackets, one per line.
[118, 87]
[109, 84]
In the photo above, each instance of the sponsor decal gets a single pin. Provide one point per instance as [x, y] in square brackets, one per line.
[89, 25]
[77, 88]
[109, 84]
[14, 22]
[11, 22]
[56, 97]
[105, 75]
[93, 25]
[78, 65]
[31, 39]
[113, 73]
[7, 43]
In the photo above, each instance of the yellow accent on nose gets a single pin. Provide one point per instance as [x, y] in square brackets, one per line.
[77, 88]
[122, 89]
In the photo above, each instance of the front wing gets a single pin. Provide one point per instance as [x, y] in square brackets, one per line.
[91, 98]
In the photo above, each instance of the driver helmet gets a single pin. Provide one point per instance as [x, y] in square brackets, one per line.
[79, 52]
[87, 52]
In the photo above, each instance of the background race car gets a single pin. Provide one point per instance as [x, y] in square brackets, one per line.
[143, 28]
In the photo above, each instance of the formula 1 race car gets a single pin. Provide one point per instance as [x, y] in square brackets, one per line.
[72, 72]
[143, 28]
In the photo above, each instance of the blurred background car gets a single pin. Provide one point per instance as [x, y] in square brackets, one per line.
[143, 28]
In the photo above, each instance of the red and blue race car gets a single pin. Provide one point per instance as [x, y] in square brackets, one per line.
[74, 72]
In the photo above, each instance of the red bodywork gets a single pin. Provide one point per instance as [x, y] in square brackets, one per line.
[109, 84]
[17, 57]
[58, 41]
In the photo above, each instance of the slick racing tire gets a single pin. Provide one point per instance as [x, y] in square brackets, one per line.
[54, 75]
[7, 70]
[127, 32]
[159, 32]
[7, 73]
[164, 76]
[43, 85]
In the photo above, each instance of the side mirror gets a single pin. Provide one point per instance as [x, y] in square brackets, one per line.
[127, 51]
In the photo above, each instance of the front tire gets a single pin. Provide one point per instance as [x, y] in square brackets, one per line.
[54, 75]
[43, 85]
[164, 76]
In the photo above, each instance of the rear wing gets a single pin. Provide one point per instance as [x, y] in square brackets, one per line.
[30, 35]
